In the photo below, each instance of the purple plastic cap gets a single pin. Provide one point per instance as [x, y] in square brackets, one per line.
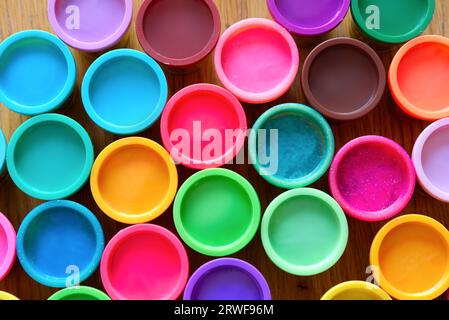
[430, 157]
[227, 279]
[309, 17]
[88, 25]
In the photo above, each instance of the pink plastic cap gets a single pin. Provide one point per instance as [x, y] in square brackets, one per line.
[89, 25]
[7, 246]
[257, 60]
[203, 126]
[372, 178]
[144, 262]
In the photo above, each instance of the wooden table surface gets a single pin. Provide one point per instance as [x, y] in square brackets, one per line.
[385, 120]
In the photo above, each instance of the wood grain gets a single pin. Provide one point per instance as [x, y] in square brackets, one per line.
[386, 120]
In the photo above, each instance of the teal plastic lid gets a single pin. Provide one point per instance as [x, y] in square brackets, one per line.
[304, 231]
[2, 151]
[392, 21]
[50, 156]
[291, 146]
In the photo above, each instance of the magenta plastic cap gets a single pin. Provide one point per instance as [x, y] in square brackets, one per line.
[431, 159]
[7, 246]
[309, 17]
[372, 178]
[144, 262]
[90, 25]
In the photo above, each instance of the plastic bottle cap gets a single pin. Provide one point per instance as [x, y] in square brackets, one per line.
[38, 72]
[227, 279]
[134, 180]
[304, 231]
[124, 91]
[144, 262]
[291, 146]
[79, 293]
[392, 22]
[372, 178]
[235, 218]
[50, 157]
[7, 296]
[343, 65]
[355, 290]
[3, 148]
[430, 159]
[257, 60]
[59, 239]
[88, 25]
[308, 17]
[418, 77]
[422, 245]
[177, 33]
[7, 246]
[192, 114]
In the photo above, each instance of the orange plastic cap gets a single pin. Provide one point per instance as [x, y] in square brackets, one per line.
[134, 180]
[419, 76]
[410, 258]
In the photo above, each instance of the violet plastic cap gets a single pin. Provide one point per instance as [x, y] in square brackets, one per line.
[431, 159]
[100, 26]
[308, 17]
[227, 279]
